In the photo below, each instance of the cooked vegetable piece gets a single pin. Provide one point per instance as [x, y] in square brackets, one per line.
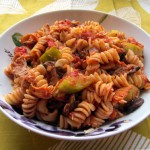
[74, 83]
[16, 39]
[50, 55]
[133, 105]
[126, 93]
[135, 48]
[113, 33]
[102, 19]
[71, 105]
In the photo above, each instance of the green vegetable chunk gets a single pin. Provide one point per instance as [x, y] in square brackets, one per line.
[16, 39]
[135, 48]
[50, 54]
[113, 33]
[74, 83]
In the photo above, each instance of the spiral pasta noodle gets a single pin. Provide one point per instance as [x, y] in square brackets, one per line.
[38, 73]
[102, 113]
[100, 44]
[133, 59]
[90, 96]
[15, 97]
[40, 47]
[66, 57]
[138, 80]
[105, 57]
[120, 80]
[79, 115]
[9, 72]
[104, 90]
[29, 104]
[92, 25]
[94, 67]
[106, 78]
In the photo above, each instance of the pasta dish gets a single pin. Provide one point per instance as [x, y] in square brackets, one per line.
[76, 75]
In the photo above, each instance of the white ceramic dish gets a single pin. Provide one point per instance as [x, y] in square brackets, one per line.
[33, 23]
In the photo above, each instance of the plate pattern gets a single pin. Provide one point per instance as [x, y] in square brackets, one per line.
[56, 130]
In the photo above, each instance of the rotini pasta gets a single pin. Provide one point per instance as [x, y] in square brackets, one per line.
[100, 44]
[15, 97]
[133, 59]
[104, 90]
[66, 57]
[90, 96]
[79, 115]
[105, 57]
[139, 80]
[40, 47]
[102, 113]
[104, 77]
[120, 80]
[76, 75]
[29, 104]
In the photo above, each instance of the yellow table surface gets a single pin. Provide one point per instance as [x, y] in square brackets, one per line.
[15, 137]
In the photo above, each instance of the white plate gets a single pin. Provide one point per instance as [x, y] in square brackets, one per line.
[33, 23]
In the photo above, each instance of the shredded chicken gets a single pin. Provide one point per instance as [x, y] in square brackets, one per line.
[19, 66]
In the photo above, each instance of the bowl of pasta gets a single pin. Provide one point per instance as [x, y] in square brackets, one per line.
[75, 74]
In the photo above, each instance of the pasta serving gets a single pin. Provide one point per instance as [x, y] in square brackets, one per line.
[76, 75]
